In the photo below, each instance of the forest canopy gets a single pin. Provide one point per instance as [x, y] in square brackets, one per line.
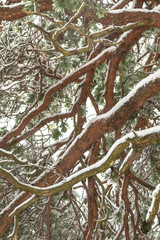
[79, 119]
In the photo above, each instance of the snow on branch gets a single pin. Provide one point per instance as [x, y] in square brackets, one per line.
[52, 90]
[152, 211]
[141, 138]
[16, 11]
[11, 155]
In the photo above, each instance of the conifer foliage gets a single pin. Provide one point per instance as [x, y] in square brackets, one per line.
[79, 119]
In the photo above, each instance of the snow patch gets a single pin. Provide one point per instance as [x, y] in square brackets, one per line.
[154, 194]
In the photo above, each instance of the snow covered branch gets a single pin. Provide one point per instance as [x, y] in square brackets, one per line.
[152, 211]
[140, 139]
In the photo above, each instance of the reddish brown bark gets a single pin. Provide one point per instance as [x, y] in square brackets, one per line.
[97, 128]
[92, 205]
[88, 138]
[122, 18]
[15, 11]
[124, 47]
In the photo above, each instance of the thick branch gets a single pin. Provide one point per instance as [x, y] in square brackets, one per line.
[52, 90]
[142, 138]
[128, 106]
[15, 11]
[152, 211]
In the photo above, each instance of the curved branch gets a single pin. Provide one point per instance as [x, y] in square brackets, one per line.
[144, 138]
[12, 156]
[92, 64]
[128, 106]
[114, 17]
